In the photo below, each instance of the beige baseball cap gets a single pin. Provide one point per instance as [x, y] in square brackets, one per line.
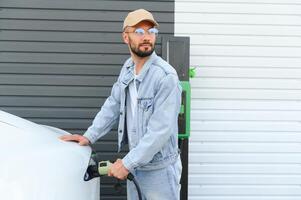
[137, 16]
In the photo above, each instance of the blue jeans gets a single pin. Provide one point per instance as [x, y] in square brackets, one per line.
[161, 184]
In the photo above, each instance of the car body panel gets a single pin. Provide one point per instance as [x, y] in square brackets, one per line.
[36, 164]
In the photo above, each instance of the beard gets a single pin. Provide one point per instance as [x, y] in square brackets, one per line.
[147, 51]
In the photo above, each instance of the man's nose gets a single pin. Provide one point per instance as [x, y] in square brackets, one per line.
[146, 38]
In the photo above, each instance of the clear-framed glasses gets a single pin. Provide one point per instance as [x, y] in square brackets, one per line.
[140, 32]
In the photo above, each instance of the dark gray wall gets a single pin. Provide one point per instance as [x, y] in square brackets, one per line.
[59, 59]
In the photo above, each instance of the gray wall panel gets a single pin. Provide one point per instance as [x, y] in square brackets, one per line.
[70, 80]
[61, 36]
[73, 15]
[60, 69]
[50, 47]
[62, 58]
[159, 6]
[51, 102]
[59, 91]
[59, 59]
[70, 26]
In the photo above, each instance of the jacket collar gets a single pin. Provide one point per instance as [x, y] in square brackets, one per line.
[129, 74]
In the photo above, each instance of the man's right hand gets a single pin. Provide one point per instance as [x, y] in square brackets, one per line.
[82, 140]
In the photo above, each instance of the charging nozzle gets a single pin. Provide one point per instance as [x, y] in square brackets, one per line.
[97, 169]
[100, 168]
[103, 167]
[92, 172]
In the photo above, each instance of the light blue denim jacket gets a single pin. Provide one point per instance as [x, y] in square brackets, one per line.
[155, 144]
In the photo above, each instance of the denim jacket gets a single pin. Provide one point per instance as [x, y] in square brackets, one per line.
[155, 144]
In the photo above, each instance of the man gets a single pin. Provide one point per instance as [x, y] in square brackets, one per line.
[145, 101]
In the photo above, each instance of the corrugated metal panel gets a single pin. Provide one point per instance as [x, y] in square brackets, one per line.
[245, 121]
[59, 59]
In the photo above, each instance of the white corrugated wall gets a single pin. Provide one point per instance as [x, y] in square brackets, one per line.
[246, 112]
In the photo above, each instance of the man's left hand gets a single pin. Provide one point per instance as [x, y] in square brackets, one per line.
[118, 170]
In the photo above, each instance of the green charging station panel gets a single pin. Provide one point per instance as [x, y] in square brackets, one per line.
[184, 116]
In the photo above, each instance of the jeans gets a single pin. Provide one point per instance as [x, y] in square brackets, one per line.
[161, 184]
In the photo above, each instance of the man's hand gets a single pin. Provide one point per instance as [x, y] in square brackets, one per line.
[118, 170]
[82, 140]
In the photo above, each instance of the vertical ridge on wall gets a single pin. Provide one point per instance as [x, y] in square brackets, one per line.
[245, 118]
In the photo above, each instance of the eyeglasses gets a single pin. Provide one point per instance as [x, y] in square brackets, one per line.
[140, 32]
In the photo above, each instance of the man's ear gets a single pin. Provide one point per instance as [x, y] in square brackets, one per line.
[125, 38]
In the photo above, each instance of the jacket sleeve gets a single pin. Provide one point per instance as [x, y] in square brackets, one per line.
[107, 117]
[161, 124]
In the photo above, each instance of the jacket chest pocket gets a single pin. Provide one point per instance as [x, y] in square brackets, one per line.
[145, 110]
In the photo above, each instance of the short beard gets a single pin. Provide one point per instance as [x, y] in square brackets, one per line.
[140, 53]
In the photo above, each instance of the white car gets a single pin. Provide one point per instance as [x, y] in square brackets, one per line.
[36, 165]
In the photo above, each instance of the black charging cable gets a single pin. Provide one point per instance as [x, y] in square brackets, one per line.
[131, 177]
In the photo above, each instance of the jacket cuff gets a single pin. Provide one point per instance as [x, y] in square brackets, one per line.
[128, 163]
[90, 137]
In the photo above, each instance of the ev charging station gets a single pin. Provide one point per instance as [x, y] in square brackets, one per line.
[175, 50]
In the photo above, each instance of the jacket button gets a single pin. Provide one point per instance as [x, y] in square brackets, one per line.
[120, 131]
[121, 113]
